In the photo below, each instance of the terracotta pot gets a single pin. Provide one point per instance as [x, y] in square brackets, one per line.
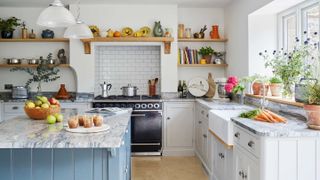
[276, 89]
[208, 58]
[258, 89]
[313, 114]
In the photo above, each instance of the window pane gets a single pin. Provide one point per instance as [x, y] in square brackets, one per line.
[290, 32]
[312, 20]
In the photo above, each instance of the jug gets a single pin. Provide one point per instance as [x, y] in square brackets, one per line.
[105, 89]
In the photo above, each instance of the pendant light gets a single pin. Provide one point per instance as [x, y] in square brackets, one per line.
[55, 16]
[79, 30]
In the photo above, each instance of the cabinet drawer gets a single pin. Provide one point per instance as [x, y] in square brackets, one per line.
[247, 141]
[15, 108]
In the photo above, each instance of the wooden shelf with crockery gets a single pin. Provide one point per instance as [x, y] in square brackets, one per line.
[201, 40]
[35, 40]
[29, 65]
[202, 65]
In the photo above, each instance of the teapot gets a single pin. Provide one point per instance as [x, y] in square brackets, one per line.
[105, 89]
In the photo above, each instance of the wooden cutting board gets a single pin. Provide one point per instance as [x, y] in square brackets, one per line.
[212, 87]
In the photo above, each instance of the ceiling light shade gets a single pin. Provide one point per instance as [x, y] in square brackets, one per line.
[78, 31]
[56, 15]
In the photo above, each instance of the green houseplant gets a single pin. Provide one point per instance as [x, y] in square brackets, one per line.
[275, 86]
[312, 107]
[206, 53]
[8, 26]
[44, 72]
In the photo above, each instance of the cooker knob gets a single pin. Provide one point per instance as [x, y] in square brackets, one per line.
[143, 106]
[137, 106]
[123, 105]
[97, 105]
[150, 106]
[157, 105]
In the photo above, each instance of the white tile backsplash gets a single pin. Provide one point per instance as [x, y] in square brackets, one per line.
[121, 65]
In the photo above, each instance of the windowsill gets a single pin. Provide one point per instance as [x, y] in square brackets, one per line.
[278, 100]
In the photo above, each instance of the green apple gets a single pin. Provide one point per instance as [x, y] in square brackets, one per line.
[45, 106]
[30, 105]
[51, 119]
[28, 101]
[43, 99]
[38, 103]
[59, 117]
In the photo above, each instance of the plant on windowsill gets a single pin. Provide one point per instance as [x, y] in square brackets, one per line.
[312, 107]
[8, 26]
[290, 66]
[45, 72]
[206, 53]
[275, 86]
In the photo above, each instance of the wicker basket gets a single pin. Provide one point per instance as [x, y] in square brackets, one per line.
[41, 114]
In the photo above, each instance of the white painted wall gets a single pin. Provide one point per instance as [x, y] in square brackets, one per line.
[31, 50]
[196, 18]
[117, 17]
[237, 31]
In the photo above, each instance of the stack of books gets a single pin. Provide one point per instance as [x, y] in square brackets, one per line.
[188, 56]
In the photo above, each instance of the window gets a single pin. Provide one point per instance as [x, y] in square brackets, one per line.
[297, 20]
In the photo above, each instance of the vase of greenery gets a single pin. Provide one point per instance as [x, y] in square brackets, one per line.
[44, 72]
[8, 26]
[206, 53]
[275, 86]
[290, 66]
[312, 107]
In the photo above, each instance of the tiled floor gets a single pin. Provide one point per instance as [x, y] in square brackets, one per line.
[167, 168]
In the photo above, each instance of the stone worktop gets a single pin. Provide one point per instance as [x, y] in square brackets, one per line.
[22, 132]
[295, 127]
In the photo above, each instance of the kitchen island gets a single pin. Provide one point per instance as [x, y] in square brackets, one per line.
[35, 150]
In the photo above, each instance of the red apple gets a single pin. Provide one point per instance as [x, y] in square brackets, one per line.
[53, 101]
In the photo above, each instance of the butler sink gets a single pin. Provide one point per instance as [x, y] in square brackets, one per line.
[220, 123]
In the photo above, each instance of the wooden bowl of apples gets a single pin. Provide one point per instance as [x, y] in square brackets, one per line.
[41, 108]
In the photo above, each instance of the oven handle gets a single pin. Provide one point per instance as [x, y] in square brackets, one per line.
[145, 144]
[138, 115]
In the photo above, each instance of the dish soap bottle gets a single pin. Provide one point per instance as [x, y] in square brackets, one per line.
[184, 90]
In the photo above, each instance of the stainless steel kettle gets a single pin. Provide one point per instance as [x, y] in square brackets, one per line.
[105, 89]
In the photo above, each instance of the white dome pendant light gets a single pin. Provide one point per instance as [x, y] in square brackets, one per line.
[55, 16]
[78, 30]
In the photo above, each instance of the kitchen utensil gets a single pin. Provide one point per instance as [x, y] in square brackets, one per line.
[62, 57]
[301, 89]
[33, 61]
[129, 90]
[13, 61]
[19, 92]
[156, 80]
[152, 89]
[105, 89]
[198, 87]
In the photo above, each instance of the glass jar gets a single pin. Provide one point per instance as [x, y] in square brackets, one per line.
[188, 33]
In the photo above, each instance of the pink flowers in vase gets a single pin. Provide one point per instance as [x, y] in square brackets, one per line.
[231, 83]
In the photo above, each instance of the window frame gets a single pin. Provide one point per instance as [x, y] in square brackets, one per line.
[299, 11]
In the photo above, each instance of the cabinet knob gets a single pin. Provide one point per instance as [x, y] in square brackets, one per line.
[237, 135]
[245, 176]
[199, 122]
[207, 115]
[127, 131]
[15, 107]
[168, 118]
[251, 144]
[205, 136]
[240, 173]
[202, 112]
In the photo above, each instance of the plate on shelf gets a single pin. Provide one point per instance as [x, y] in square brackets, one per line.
[94, 129]
[198, 87]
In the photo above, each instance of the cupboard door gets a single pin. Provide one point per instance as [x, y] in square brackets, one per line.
[179, 125]
[239, 164]
[198, 132]
[205, 125]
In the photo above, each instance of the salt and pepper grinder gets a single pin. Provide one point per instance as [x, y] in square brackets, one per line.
[24, 31]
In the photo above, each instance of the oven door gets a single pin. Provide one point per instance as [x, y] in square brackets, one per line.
[146, 132]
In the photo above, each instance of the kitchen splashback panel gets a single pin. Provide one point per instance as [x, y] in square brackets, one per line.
[120, 65]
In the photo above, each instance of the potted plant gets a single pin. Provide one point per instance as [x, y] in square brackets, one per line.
[206, 53]
[312, 107]
[8, 26]
[275, 86]
[45, 72]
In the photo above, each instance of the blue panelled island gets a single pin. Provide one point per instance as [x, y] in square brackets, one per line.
[35, 150]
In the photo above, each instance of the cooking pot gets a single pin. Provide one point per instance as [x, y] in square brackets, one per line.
[129, 90]
[301, 89]
[33, 61]
[13, 61]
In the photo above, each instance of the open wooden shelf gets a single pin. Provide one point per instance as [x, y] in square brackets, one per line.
[28, 65]
[166, 40]
[201, 40]
[36, 40]
[202, 65]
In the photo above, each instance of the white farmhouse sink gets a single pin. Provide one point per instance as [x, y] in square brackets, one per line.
[220, 123]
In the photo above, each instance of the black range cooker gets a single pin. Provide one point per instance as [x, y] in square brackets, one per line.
[146, 121]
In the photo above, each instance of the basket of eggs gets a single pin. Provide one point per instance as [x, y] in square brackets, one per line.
[41, 108]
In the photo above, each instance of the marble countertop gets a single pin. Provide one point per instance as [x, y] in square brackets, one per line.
[21, 132]
[295, 127]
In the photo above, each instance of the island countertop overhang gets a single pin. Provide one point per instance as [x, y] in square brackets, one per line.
[21, 132]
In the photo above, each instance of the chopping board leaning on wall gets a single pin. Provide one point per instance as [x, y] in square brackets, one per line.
[212, 87]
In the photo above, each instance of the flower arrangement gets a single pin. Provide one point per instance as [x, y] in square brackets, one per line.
[233, 85]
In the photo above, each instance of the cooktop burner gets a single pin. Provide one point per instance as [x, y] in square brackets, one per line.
[120, 97]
